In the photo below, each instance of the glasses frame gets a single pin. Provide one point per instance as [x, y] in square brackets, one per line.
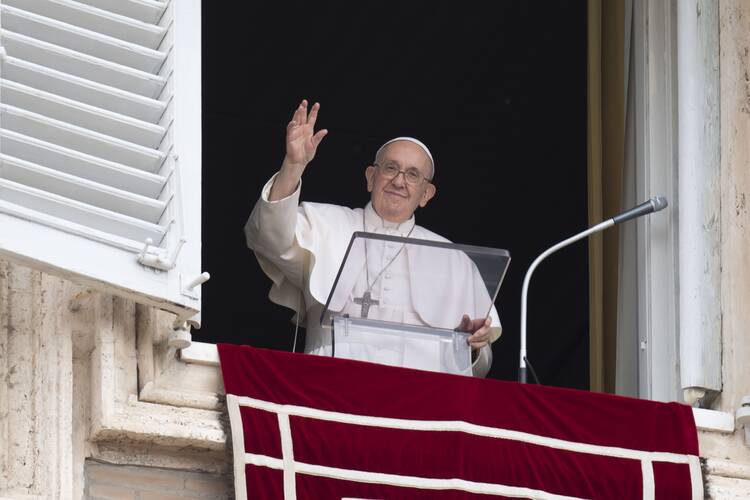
[422, 179]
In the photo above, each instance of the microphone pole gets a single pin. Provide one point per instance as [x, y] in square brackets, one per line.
[653, 205]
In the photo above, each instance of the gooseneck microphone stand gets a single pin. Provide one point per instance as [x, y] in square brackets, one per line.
[653, 205]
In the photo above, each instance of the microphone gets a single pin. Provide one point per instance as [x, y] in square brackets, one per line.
[655, 204]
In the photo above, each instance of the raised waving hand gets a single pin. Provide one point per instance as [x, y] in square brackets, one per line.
[301, 139]
[301, 145]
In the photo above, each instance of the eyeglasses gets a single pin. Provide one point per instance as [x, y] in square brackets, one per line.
[412, 175]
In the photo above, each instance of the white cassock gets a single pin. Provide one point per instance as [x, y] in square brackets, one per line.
[301, 246]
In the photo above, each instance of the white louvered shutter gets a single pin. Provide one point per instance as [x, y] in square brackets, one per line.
[100, 144]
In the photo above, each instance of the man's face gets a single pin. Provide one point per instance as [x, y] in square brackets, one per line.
[395, 199]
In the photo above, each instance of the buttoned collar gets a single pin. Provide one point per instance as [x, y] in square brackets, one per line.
[374, 223]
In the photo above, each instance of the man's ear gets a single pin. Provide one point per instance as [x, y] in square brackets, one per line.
[370, 176]
[428, 194]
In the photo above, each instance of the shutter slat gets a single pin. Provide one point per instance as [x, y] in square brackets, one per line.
[81, 164]
[81, 65]
[87, 141]
[148, 11]
[81, 40]
[81, 90]
[92, 193]
[82, 115]
[94, 19]
[89, 233]
[79, 213]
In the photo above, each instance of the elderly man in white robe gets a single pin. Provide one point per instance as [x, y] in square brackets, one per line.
[301, 246]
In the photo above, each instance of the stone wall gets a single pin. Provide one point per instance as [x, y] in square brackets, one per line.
[127, 482]
[728, 454]
[84, 375]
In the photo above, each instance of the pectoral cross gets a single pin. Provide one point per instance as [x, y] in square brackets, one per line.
[366, 301]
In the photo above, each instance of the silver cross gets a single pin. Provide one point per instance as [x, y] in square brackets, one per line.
[366, 301]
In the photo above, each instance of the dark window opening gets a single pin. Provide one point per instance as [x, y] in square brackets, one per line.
[497, 91]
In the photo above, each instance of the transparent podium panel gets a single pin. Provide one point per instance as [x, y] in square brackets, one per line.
[410, 346]
[411, 302]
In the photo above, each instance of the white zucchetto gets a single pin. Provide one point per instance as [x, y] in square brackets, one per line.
[412, 140]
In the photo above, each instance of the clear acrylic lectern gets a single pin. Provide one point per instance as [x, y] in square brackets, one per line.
[402, 301]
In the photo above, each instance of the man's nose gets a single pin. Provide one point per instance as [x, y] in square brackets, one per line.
[399, 180]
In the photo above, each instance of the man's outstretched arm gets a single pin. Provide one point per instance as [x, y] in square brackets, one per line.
[270, 229]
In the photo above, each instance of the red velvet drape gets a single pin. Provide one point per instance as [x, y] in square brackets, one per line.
[531, 461]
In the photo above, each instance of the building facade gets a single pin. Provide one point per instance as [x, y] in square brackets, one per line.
[97, 400]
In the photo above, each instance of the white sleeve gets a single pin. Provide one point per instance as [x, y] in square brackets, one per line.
[270, 233]
[483, 361]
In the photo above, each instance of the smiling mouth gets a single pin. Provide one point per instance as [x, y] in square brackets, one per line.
[394, 193]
